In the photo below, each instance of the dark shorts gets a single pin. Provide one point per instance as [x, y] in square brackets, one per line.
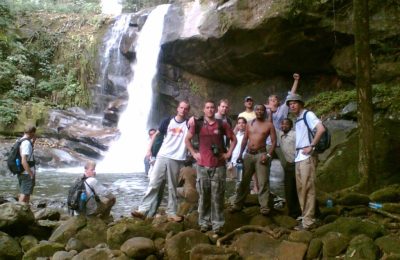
[26, 184]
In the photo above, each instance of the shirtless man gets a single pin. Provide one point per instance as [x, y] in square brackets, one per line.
[257, 160]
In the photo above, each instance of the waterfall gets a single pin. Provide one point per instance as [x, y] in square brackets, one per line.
[113, 7]
[127, 153]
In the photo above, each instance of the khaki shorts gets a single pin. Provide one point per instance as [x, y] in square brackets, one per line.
[26, 184]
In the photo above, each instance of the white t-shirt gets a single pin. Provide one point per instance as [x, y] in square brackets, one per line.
[99, 189]
[302, 138]
[236, 151]
[26, 149]
[173, 146]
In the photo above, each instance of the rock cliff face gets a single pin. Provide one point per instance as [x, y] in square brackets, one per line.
[251, 47]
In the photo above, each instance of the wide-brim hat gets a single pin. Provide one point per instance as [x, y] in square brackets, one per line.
[294, 97]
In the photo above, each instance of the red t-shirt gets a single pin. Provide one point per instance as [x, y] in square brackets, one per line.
[209, 135]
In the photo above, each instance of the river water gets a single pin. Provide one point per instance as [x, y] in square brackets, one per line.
[52, 187]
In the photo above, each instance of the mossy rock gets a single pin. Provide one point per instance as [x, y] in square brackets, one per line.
[351, 227]
[314, 248]
[68, 229]
[46, 249]
[358, 211]
[353, 199]
[301, 236]
[389, 194]
[362, 247]
[206, 251]
[389, 244]
[330, 218]
[27, 242]
[391, 207]
[284, 221]
[9, 247]
[179, 246]
[260, 220]
[94, 233]
[128, 228]
[334, 243]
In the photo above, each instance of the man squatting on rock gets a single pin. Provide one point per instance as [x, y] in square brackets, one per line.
[169, 160]
[306, 160]
[211, 170]
[257, 160]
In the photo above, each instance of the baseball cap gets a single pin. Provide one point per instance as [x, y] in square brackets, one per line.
[247, 98]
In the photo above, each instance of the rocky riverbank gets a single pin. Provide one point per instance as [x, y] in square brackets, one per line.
[347, 230]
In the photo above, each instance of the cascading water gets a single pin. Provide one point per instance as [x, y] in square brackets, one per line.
[127, 153]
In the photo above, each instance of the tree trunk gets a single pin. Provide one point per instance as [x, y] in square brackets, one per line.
[364, 94]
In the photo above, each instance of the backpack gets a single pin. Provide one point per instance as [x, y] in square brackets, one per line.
[14, 157]
[74, 194]
[323, 143]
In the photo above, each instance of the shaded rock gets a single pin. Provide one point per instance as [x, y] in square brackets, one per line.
[291, 250]
[46, 249]
[362, 247]
[353, 199]
[159, 243]
[94, 254]
[206, 251]
[191, 220]
[350, 110]
[75, 244]
[388, 194]
[179, 246]
[9, 247]
[163, 224]
[68, 229]
[334, 243]
[39, 231]
[138, 247]
[389, 244]
[330, 219]
[235, 220]
[94, 233]
[15, 217]
[260, 220]
[128, 228]
[314, 248]
[391, 207]
[27, 242]
[259, 246]
[300, 236]
[63, 255]
[51, 224]
[284, 221]
[352, 227]
[47, 214]
[251, 211]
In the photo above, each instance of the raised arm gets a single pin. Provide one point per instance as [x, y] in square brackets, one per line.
[296, 78]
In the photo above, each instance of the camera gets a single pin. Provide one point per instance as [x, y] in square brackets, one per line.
[215, 149]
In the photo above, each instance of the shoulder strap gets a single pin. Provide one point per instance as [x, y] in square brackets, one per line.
[90, 187]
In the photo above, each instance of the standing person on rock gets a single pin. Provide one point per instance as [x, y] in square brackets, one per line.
[257, 159]
[306, 160]
[211, 170]
[26, 180]
[169, 161]
[286, 138]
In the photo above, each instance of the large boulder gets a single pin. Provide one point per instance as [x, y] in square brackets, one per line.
[94, 233]
[138, 247]
[15, 217]
[47, 214]
[256, 245]
[27, 242]
[291, 250]
[9, 247]
[180, 245]
[362, 247]
[334, 243]
[389, 244]
[44, 249]
[68, 229]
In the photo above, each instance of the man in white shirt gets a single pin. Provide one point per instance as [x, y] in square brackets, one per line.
[26, 179]
[306, 160]
[237, 168]
[169, 161]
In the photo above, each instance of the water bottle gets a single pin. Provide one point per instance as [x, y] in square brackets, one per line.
[18, 163]
[375, 205]
[83, 196]
[329, 203]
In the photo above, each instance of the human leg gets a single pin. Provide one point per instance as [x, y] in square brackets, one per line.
[292, 200]
[173, 167]
[305, 181]
[26, 185]
[218, 180]
[262, 171]
[244, 186]
[203, 186]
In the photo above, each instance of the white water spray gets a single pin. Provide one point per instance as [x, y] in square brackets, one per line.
[127, 153]
[113, 7]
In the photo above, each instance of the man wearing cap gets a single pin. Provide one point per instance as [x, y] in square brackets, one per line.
[306, 160]
[248, 113]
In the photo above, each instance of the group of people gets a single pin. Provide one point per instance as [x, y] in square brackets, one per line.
[262, 132]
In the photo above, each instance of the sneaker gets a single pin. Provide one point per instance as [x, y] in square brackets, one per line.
[138, 214]
[300, 227]
[175, 218]
[299, 218]
[234, 209]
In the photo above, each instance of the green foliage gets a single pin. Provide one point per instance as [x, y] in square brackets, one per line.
[8, 111]
[7, 76]
[23, 88]
[55, 6]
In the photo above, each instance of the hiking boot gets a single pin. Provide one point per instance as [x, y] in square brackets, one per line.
[138, 214]
[234, 209]
[175, 218]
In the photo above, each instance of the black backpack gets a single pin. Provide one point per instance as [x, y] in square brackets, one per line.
[75, 192]
[325, 141]
[13, 165]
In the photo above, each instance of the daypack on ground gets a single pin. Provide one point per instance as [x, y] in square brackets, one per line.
[74, 194]
[325, 141]
[14, 158]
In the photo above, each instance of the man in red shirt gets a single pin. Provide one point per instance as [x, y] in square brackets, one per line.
[211, 158]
